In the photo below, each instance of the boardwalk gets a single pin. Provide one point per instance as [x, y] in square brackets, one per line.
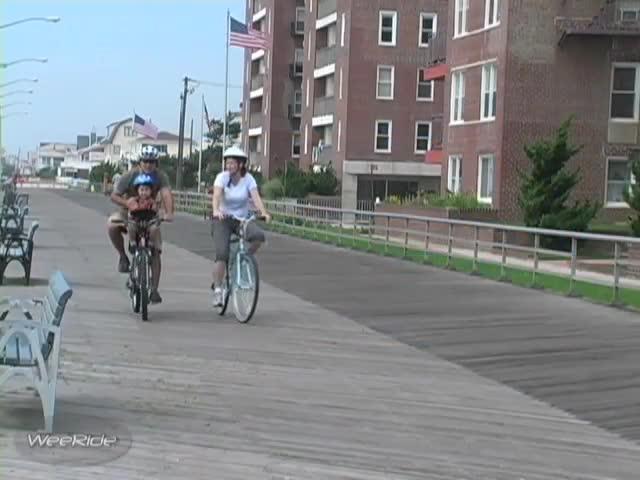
[355, 367]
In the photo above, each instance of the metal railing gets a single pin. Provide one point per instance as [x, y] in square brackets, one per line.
[436, 53]
[325, 56]
[326, 7]
[257, 81]
[324, 106]
[504, 246]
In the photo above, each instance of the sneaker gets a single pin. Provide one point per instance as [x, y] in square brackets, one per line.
[217, 297]
[155, 297]
[123, 264]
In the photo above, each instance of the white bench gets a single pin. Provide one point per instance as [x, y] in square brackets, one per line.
[30, 344]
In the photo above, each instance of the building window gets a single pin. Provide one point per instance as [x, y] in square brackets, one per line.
[428, 27]
[129, 132]
[295, 145]
[301, 14]
[423, 137]
[454, 175]
[619, 179]
[491, 13]
[460, 20]
[298, 62]
[383, 136]
[116, 149]
[387, 28]
[489, 87]
[625, 90]
[457, 97]
[425, 88]
[629, 11]
[384, 88]
[297, 103]
[485, 178]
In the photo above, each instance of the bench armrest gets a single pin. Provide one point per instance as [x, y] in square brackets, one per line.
[15, 303]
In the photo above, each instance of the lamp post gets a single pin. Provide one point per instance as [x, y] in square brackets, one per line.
[32, 19]
[23, 60]
[16, 92]
[19, 80]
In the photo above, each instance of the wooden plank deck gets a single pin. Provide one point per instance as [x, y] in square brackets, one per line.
[303, 392]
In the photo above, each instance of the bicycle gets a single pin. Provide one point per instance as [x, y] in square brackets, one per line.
[244, 280]
[140, 274]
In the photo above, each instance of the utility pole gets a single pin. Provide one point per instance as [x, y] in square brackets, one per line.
[183, 111]
[191, 141]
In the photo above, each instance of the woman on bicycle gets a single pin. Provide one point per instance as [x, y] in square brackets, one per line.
[232, 191]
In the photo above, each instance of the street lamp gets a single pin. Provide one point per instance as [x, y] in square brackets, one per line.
[32, 80]
[13, 104]
[16, 92]
[22, 60]
[32, 19]
[12, 114]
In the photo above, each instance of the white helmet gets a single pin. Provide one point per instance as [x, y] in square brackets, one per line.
[149, 152]
[235, 152]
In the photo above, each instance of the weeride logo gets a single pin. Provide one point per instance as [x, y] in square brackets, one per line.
[79, 440]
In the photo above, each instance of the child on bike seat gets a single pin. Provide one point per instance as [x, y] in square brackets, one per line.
[143, 206]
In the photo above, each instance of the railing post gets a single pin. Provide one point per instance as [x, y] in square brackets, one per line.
[426, 241]
[386, 240]
[406, 238]
[616, 274]
[353, 242]
[503, 262]
[476, 239]
[340, 228]
[449, 246]
[574, 262]
[536, 259]
[372, 223]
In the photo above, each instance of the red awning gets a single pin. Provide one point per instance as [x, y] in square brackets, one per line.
[434, 157]
[435, 72]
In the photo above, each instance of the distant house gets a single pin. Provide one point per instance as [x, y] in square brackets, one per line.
[123, 144]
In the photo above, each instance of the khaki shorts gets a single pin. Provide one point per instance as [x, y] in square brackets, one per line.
[155, 235]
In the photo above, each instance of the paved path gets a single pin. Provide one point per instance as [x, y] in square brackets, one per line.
[326, 382]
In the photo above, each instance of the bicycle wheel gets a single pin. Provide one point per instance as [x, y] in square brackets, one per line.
[132, 285]
[246, 288]
[222, 309]
[143, 284]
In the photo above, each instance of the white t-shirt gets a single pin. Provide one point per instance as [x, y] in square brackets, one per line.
[235, 200]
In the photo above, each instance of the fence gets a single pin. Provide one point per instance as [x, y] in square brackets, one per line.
[490, 243]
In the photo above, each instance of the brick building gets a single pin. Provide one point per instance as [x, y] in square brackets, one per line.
[514, 70]
[273, 83]
[358, 103]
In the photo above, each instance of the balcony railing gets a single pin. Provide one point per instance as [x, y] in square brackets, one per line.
[436, 52]
[611, 20]
[324, 106]
[325, 56]
[324, 155]
[257, 81]
[255, 120]
[326, 7]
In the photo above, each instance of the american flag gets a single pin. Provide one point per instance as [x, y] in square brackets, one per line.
[145, 127]
[242, 36]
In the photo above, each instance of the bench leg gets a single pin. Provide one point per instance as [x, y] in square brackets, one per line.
[48, 398]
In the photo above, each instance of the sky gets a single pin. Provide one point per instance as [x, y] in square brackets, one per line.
[107, 58]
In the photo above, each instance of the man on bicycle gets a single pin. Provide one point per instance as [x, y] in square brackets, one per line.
[232, 191]
[124, 195]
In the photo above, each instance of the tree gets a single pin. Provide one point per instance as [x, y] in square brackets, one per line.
[47, 172]
[546, 189]
[632, 197]
[102, 171]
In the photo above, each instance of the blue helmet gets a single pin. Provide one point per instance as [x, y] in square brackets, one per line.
[144, 179]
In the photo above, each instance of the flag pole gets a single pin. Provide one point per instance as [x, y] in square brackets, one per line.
[226, 92]
[133, 142]
[201, 145]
